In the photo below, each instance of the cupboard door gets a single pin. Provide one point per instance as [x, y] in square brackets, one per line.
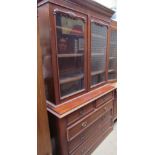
[98, 53]
[112, 68]
[70, 30]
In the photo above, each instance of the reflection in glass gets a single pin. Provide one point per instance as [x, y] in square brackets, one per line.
[70, 53]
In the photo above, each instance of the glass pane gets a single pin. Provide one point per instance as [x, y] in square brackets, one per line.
[112, 72]
[70, 45]
[98, 53]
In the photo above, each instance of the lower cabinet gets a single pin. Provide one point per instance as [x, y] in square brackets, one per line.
[80, 132]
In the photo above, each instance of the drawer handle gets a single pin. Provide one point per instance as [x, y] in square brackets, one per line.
[84, 124]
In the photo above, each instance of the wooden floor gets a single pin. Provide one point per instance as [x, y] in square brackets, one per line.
[109, 145]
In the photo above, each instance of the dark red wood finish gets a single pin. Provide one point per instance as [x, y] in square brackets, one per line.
[43, 135]
[95, 123]
[78, 123]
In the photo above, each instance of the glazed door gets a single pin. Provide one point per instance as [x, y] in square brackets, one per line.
[98, 52]
[71, 52]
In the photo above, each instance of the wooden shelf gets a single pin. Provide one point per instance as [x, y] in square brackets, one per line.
[70, 55]
[70, 30]
[112, 58]
[111, 70]
[98, 36]
[113, 43]
[71, 79]
[97, 54]
[97, 72]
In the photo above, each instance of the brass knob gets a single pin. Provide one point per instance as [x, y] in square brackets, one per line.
[84, 124]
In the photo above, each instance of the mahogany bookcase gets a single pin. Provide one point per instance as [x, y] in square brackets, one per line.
[79, 62]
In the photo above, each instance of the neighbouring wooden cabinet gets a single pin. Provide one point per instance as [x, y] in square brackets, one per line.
[79, 44]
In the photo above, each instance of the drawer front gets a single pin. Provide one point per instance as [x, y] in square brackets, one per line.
[80, 113]
[88, 133]
[104, 99]
[86, 146]
[85, 122]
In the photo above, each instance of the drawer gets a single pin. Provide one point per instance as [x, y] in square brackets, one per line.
[88, 133]
[104, 99]
[81, 125]
[80, 113]
[86, 146]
